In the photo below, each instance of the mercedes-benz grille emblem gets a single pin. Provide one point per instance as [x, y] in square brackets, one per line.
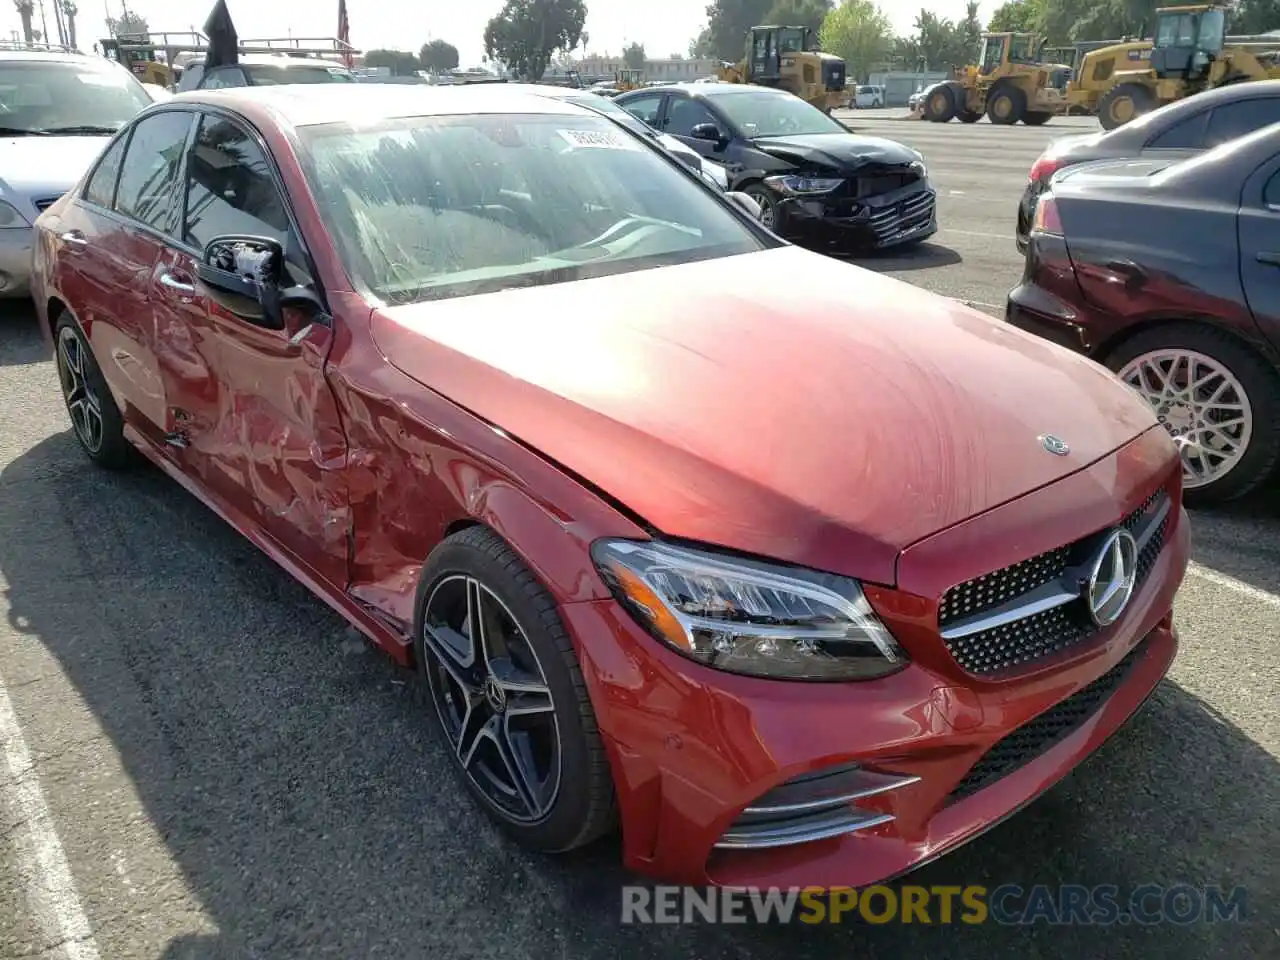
[1111, 578]
[1055, 445]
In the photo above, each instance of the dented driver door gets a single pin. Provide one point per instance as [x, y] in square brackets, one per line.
[261, 428]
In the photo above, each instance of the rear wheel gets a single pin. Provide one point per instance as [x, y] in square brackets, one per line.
[1219, 401]
[1036, 119]
[1006, 105]
[1121, 104]
[940, 105]
[95, 418]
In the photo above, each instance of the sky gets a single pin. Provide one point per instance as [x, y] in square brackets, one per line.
[663, 26]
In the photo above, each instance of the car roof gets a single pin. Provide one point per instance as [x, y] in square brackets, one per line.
[301, 105]
[273, 60]
[1189, 106]
[55, 56]
[717, 89]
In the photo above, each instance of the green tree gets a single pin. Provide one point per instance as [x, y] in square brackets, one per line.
[799, 13]
[1255, 16]
[1067, 21]
[1018, 16]
[402, 64]
[700, 46]
[971, 26]
[526, 34]
[438, 56]
[941, 42]
[860, 33]
[128, 24]
[633, 56]
[727, 24]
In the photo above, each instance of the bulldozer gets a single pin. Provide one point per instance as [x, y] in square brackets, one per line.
[1190, 52]
[1010, 82]
[141, 57]
[625, 80]
[788, 57]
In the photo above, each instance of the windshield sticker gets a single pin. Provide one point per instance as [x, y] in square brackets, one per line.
[603, 139]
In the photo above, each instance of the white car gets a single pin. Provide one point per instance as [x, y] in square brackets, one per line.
[867, 98]
[57, 113]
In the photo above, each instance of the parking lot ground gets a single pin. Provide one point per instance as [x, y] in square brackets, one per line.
[199, 760]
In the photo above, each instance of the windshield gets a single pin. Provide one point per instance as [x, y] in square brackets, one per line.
[426, 208]
[54, 96]
[265, 75]
[1213, 24]
[766, 113]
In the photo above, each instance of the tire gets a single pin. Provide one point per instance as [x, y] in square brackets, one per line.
[1006, 105]
[579, 807]
[95, 419]
[1123, 103]
[940, 105]
[768, 205]
[969, 116]
[1257, 380]
[1035, 119]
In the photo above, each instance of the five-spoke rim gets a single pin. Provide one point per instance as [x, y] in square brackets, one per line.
[1203, 406]
[492, 698]
[82, 402]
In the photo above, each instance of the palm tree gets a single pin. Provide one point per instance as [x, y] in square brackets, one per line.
[69, 10]
[25, 10]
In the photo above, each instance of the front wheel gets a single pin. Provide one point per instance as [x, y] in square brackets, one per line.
[508, 694]
[940, 105]
[1219, 401]
[768, 205]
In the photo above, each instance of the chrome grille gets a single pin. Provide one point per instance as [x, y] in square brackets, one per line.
[1043, 732]
[914, 211]
[1034, 609]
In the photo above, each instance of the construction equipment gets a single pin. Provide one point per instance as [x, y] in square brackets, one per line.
[625, 80]
[1010, 82]
[1190, 52]
[156, 57]
[788, 57]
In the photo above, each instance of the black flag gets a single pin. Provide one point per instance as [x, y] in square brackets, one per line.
[224, 45]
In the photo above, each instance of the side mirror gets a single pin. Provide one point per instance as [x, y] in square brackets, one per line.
[709, 131]
[245, 274]
[745, 202]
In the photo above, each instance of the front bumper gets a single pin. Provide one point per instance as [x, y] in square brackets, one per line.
[16, 245]
[691, 748]
[872, 223]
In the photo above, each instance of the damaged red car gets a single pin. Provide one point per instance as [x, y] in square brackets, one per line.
[793, 573]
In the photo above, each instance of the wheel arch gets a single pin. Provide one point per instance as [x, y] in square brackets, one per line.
[1110, 345]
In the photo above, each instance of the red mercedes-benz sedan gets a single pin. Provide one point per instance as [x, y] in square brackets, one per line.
[802, 575]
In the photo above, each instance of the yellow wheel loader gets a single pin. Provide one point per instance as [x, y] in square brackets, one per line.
[788, 58]
[1009, 83]
[1190, 52]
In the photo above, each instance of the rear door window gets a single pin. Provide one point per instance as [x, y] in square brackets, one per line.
[1234, 120]
[1187, 134]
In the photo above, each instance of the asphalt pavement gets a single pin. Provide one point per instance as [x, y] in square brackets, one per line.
[198, 759]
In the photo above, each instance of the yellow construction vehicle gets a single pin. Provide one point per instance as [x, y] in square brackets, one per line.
[1010, 82]
[136, 52]
[1190, 52]
[789, 58]
[625, 80]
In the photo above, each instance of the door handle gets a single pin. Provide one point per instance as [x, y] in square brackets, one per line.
[180, 287]
[74, 238]
[1270, 259]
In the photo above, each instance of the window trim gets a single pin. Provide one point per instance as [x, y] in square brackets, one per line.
[123, 136]
[199, 111]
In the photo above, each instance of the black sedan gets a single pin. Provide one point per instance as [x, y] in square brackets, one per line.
[816, 182]
[1167, 271]
[1180, 129]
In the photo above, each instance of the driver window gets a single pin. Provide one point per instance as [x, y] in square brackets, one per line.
[683, 115]
[229, 187]
[645, 108]
[1271, 193]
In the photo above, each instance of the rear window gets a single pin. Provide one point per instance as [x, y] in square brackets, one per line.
[261, 75]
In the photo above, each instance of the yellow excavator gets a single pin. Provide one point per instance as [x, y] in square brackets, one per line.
[1190, 52]
[788, 57]
[140, 55]
[1010, 82]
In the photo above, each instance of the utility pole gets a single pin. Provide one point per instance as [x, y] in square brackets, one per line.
[44, 23]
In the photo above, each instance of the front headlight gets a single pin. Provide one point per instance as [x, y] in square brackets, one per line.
[921, 169]
[11, 216]
[800, 186]
[749, 617]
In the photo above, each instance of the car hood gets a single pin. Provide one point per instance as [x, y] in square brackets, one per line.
[38, 167]
[778, 403]
[843, 152]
